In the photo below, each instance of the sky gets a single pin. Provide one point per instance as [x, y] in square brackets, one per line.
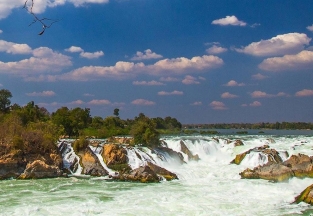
[200, 61]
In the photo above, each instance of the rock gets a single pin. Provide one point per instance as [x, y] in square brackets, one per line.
[142, 174]
[115, 157]
[185, 150]
[162, 172]
[301, 165]
[91, 164]
[306, 196]
[11, 167]
[121, 140]
[238, 143]
[273, 172]
[39, 169]
[163, 152]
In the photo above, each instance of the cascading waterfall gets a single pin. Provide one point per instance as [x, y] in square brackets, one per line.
[70, 158]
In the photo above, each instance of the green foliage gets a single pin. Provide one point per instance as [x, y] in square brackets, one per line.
[5, 101]
[144, 131]
[116, 112]
[80, 144]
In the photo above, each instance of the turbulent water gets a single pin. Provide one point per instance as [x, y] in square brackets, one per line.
[210, 186]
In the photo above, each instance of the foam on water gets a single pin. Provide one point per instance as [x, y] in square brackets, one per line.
[210, 186]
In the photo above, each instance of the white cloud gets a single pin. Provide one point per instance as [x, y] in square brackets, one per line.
[44, 60]
[148, 54]
[216, 50]
[217, 105]
[88, 95]
[169, 79]
[6, 6]
[310, 28]
[255, 104]
[229, 20]
[304, 93]
[14, 48]
[259, 76]
[77, 102]
[189, 80]
[300, 61]
[90, 55]
[228, 95]
[197, 103]
[122, 70]
[74, 49]
[170, 93]
[41, 94]
[99, 102]
[233, 83]
[1, 31]
[280, 45]
[143, 102]
[150, 83]
[260, 94]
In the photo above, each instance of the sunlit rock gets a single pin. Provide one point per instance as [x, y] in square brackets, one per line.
[115, 157]
[301, 165]
[185, 150]
[142, 174]
[91, 164]
[306, 196]
[39, 169]
[162, 172]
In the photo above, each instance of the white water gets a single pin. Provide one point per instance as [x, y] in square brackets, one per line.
[210, 186]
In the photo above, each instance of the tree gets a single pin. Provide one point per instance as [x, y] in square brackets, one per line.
[116, 112]
[5, 101]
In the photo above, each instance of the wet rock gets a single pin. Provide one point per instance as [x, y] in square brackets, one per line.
[163, 152]
[162, 172]
[306, 196]
[11, 167]
[301, 165]
[142, 174]
[39, 169]
[185, 150]
[91, 164]
[238, 143]
[273, 172]
[115, 157]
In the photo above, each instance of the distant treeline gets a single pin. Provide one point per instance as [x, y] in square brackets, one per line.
[262, 125]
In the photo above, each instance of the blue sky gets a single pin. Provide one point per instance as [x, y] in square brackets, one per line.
[200, 61]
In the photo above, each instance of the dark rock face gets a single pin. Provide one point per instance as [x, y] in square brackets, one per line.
[11, 167]
[185, 150]
[142, 174]
[161, 152]
[296, 166]
[39, 169]
[306, 196]
[91, 164]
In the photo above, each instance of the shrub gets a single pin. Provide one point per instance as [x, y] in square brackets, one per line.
[80, 144]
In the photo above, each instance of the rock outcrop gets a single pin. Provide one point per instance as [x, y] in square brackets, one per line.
[162, 172]
[91, 164]
[11, 166]
[162, 152]
[306, 196]
[142, 174]
[115, 157]
[39, 169]
[185, 150]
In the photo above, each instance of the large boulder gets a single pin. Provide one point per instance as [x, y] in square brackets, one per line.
[185, 150]
[306, 196]
[142, 174]
[11, 166]
[273, 172]
[162, 172]
[115, 157]
[91, 164]
[301, 165]
[165, 153]
[39, 169]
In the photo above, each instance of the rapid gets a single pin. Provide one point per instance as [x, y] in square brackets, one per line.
[209, 186]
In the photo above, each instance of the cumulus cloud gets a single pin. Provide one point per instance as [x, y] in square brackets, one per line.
[90, 55]
[169, 79]
[260, 94]
[233, 83]
[74, 49]
[6, 6]
[149, 83]
[44, 60]
[77, 102]
[259, 76]
[255, 104]
[280, 45]
[99, 102]
[300, 61]
[148, 54]
[228, 95]
[41, 94]
[170, 93]
[189, 80]
[218, 105]
[310, 28]
[229, 20]
[122, 70]
[196, 103]
[14, 48]
[304, 93]
[143, 102]
[216, 50]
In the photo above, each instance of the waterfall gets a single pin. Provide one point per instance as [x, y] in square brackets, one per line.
[70, 158]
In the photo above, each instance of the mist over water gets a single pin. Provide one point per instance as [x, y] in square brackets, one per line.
[210, 186]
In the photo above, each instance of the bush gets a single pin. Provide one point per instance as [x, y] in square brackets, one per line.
[80, 144]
